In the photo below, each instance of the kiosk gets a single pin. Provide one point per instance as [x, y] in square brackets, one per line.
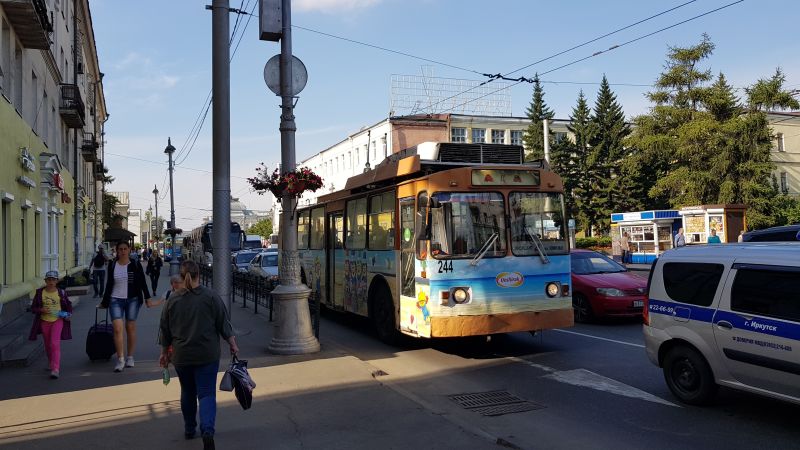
[650, 233]
[727, 220]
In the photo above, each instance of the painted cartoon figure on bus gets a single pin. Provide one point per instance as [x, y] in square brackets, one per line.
[422, 304]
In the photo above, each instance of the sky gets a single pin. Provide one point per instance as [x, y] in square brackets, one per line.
[156, 57]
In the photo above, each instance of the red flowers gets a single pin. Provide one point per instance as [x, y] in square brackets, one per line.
[294, 183]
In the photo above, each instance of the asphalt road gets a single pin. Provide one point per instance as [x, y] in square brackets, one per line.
[592, 385]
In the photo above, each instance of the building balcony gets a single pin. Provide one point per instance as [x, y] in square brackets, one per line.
[99, 171]
[89, 147]
[71, 106]
[31, 21]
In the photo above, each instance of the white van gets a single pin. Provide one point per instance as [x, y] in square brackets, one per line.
[726, 315]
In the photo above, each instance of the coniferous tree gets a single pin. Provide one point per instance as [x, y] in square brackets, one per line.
[606, 156]
[701, 146]
[533, 139]
[577, 185]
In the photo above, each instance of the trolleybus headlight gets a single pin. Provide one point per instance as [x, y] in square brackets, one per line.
[552, 289]
[460, 295]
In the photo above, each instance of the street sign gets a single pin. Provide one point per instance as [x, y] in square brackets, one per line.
[272, 75]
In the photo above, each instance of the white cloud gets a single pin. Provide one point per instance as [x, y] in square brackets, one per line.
[331, 6]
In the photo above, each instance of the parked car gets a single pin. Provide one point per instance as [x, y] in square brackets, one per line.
[726, 315]
[788, 233]
[265, 265]
[602, 287]
[241, 259]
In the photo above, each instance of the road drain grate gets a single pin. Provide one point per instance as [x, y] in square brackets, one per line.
[494, 403]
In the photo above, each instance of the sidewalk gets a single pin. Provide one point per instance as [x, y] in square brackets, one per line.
[325, 400]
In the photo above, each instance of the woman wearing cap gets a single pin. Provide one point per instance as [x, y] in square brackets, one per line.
[53, 310]
[126, 289]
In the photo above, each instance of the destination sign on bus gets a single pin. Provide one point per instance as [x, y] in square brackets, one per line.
[505, 177]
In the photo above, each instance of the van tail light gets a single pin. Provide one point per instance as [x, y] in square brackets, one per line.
[646, 310]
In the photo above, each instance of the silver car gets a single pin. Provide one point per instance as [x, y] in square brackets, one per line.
[265, 265]
[726, 315]
[241, 259]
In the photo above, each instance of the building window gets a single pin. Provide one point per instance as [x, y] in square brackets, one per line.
[559, 136]
[784, 183]
[6, 242]
[479, 135]
[458, 135]
[498, 136]
[781, 148]
[516, 137]
[374, 151]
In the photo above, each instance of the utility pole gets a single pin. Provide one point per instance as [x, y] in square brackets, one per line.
[221, 149]
[155, 232]
[172, 230]
[293, 334]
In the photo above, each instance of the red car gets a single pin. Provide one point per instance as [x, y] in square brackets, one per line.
[602, 287]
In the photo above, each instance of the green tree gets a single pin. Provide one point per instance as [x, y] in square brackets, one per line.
[573, 166]
[700, 145]
[533, 138]
[110, 202]
[262, 228]
[606, 154]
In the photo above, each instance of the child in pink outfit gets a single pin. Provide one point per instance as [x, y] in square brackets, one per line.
[53, 310]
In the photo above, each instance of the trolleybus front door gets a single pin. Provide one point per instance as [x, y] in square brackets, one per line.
[335, 259]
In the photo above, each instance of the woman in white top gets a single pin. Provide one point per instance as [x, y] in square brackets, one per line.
[125, 292]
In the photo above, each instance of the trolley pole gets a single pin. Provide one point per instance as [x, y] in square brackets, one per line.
[293, 334]
[221, 149]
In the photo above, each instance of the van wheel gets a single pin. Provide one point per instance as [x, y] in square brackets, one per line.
[582, 309]
[689, 376]
[381, 312]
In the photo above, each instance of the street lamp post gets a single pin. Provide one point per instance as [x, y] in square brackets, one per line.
[172, 230]
[155, 232]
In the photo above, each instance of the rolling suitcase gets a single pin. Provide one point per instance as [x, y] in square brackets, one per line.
[100, 340]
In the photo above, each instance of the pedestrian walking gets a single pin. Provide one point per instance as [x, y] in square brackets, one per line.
[624, 243]
[53, 314]
[680, 239]
[192, 321]
[154, 265]
[125, 292]
[741, 236]
[714, 239]
[99, 271]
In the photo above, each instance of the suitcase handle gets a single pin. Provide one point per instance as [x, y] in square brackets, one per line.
[95, 316]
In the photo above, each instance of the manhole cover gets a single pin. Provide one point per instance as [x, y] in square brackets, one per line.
[494, 403]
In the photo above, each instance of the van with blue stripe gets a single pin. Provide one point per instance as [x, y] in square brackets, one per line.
[726, 315]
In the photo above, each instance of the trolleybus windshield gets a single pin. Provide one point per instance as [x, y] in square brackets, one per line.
[537, 215]
[464, 221]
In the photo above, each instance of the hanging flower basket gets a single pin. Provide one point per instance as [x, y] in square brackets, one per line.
[294, 183]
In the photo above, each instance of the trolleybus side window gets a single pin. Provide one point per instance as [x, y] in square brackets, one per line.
[317, 228]
[356, 224]
[302, 230]
[537, 215]
[464, 222]
[381, 221]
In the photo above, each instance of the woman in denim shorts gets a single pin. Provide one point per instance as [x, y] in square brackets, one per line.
[125, 291]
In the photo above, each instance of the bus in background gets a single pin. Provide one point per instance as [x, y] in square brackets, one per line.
[443, 240]
[252, 241]
[197, 244]
[273, 241]
[173, 249]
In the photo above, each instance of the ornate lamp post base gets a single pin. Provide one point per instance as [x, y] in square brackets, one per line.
[292, 335]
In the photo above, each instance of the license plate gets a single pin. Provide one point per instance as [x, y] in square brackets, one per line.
[638, 303]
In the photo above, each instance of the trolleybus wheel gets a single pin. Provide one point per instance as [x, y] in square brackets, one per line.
[381, 312]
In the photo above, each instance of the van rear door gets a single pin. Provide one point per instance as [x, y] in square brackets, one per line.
[757, 326]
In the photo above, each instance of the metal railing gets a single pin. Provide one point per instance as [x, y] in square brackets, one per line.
[257, 290]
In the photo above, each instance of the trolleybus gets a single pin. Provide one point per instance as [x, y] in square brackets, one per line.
[197, 244]
[443, 240]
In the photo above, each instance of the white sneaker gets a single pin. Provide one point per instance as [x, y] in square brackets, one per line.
[129, 361]
[119, 365]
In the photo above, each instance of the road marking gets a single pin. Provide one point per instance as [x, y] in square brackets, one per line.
[600, 338]
[587, 378]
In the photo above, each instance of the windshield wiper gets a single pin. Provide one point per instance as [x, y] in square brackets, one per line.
[484, 249]
[539, 246]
